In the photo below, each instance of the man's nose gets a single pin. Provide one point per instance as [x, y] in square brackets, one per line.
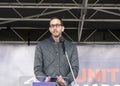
[55, 27]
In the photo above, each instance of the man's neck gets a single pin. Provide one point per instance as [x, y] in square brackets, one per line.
[56, 39]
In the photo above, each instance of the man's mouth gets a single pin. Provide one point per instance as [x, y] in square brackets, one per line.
[55, 31]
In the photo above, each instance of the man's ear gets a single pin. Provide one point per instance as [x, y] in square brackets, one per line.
[50, 29]
[63, 28]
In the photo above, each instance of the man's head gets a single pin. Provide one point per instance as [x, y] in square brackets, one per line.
[56, 27]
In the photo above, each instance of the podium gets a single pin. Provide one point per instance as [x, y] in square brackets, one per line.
[43, 84]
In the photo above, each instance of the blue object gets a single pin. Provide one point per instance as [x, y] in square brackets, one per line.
[43, 84]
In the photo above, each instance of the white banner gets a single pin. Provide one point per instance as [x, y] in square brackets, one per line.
[99, 64]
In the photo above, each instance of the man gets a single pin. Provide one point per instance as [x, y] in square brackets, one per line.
[50, 59]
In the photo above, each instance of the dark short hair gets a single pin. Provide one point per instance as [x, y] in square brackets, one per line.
[58, 19]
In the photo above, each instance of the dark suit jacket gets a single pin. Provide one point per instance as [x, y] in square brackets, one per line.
[51, 61]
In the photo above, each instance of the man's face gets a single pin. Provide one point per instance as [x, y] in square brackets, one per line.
[56, 28]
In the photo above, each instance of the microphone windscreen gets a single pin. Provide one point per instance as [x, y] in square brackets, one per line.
[61, 39]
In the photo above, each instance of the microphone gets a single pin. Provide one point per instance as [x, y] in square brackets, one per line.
[62, 40]
[63, 45]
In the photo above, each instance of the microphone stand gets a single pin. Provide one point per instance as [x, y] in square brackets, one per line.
[65, 52]
[71, 69]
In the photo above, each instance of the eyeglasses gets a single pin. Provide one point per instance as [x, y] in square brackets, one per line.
[55, 25]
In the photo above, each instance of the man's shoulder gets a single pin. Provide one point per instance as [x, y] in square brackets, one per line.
[70, 43]
[43, 42]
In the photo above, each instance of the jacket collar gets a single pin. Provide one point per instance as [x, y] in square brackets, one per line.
[52, 40]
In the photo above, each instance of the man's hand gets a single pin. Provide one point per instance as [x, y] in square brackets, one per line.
[61, 81]
[47, 79]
